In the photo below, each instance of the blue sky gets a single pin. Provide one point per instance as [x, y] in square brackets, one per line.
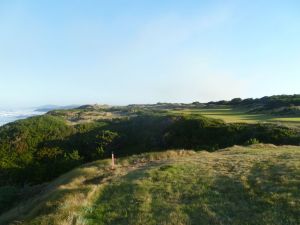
[146, 51]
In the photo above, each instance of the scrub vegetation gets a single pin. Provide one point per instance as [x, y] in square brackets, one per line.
[37, 150]
[238, 185]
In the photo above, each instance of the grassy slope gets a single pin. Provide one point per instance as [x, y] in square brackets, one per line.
[234, 115]
[255, 185]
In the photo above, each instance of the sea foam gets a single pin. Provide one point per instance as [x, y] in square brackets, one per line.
[7, 116]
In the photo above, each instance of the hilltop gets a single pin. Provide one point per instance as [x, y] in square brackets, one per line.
[281, 105]
[279, 109]
[238, 185]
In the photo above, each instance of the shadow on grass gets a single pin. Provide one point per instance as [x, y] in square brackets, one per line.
[268, 195]
[119, 202]
[278, 185]
[41, 207]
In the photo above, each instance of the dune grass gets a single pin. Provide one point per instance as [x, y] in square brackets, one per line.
[239, 185]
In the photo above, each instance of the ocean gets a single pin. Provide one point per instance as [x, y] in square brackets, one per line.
[7, 116]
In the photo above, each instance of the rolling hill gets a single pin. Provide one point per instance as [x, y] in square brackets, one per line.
[39, 149]
[258, 184]
[220, 186]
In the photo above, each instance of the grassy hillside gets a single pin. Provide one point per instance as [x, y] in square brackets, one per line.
[239, 185]
[284, 109]
[41, 148]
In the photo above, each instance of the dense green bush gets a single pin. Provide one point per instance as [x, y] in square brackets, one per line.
[212, 134]
[8, 196]
[252, 141]
[20, 141]
[39, 149]
[287, 105]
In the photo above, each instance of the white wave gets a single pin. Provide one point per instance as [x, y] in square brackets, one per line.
[7, 116]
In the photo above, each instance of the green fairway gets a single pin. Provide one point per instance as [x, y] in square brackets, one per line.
[232, 115]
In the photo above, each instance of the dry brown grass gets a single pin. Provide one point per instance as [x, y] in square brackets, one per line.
[74, 198]
[62, 200]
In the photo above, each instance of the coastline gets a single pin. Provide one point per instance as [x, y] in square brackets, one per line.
[8, 116]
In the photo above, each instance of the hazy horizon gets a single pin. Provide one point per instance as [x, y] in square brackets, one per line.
[34, 107]
[134, 52]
